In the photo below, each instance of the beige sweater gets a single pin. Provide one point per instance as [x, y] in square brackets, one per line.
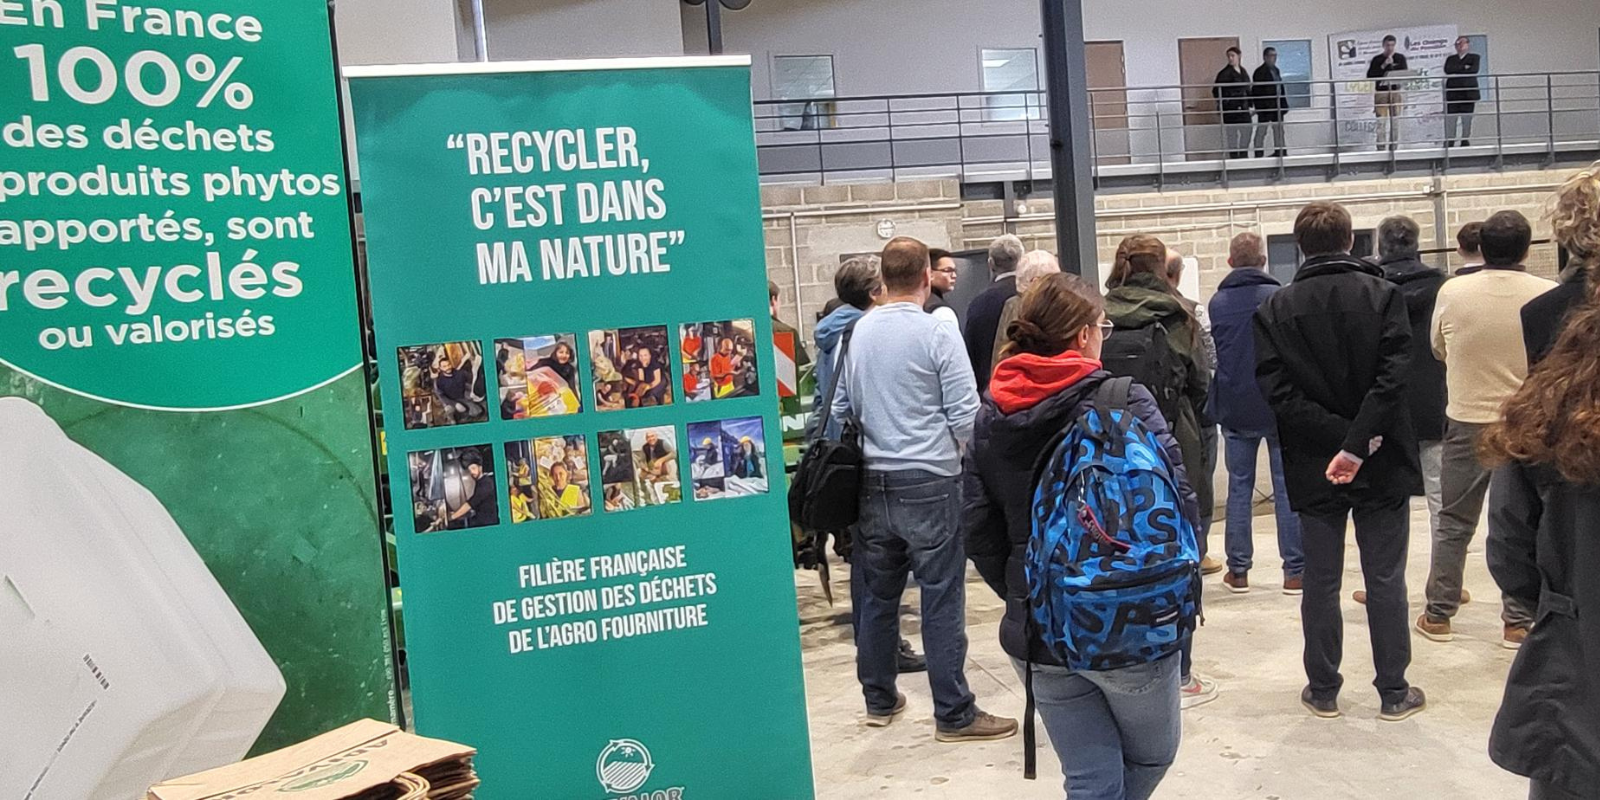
[1477, 333]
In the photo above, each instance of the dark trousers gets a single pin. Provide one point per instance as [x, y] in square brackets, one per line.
[1463, 485]
[910, 523]
[1382, 536]
[1208, 513]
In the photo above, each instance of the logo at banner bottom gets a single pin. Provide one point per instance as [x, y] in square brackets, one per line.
[623, 766]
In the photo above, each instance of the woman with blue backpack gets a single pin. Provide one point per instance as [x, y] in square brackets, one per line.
[1080, 516]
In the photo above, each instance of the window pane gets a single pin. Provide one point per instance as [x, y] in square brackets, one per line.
[1009, 70]
[1294, 60]
[802, 77]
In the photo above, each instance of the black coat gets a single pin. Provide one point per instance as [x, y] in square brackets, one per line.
[1233, 90]
[1332, 351]
[983, 322]
[1425, 384]
[1463, 86]
[1544, 543]
[1376, 69]
[1544, 317]
[998, 492]
[1269, 96]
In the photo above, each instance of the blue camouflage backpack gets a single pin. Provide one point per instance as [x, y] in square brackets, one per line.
[1113, 566]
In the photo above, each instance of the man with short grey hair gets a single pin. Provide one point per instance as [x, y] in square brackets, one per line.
[1237, 404]
[1035, 265]
[1398, 242]
[983, 315]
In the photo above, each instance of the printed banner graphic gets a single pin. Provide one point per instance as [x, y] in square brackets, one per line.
[577, 366]
[190, 563]
[1418, 105]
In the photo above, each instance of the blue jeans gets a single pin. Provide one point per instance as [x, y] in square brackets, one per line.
[910, 523]
[1116, 732]
[1241, 461]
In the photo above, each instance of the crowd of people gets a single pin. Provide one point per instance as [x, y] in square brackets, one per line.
[1369, 381]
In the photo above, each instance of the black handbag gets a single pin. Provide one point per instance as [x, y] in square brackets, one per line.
[826, 492]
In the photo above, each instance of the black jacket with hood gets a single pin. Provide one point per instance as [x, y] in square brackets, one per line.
[1425, 385]
[1544, 543]
[1332, 352]
[998, 491]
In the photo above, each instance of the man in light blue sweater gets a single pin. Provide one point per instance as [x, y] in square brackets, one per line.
[907, 379]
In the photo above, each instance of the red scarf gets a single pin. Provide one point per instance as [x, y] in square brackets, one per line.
[1024, 381]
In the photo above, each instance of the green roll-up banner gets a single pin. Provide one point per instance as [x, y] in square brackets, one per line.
[569, 302]
[189, 544]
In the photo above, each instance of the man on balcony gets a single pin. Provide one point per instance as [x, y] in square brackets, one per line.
[1386, 94]
[1232, 90]
[1271, 100]
[1461, 93]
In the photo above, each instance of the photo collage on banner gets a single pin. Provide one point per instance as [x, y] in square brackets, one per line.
[719, 360]
[453, 488]
[631, 368]
[538, 376]
[442, 384]
[729, 458]
[549, 478]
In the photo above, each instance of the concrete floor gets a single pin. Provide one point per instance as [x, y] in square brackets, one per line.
[1254, 741]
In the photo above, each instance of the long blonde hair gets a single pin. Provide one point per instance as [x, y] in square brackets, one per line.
[1575, 216]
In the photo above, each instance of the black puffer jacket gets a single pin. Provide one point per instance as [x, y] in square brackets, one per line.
[999, 492]
[1544, 544]
[1425, 386]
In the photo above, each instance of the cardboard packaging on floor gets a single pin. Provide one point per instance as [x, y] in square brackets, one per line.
[365, 760]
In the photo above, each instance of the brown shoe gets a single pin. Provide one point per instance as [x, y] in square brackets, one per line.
[985, 727]
[1211, 566]
[1435, 629]
[1237, 582]
[883, 720]
[1466, 596]
[1294, 585]
[1513, 637]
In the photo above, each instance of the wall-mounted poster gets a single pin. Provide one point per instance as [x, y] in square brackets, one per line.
[641, 565]
[1408, 109]
[191, 558]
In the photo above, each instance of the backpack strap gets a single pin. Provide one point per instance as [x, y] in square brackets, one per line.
[1030, 740]
[833, 381]
[1113, 396]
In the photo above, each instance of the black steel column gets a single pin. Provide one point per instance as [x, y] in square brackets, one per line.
[1071, 166]
[714, 27]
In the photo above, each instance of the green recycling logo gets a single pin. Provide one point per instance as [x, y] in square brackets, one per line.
[324, 776]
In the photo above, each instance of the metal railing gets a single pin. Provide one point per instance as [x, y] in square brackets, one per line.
[1170, 130]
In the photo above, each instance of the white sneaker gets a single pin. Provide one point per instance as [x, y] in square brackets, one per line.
[1197, 692]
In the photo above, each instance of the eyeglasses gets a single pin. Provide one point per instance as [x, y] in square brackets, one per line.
[947, 270]
[1107, 327]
